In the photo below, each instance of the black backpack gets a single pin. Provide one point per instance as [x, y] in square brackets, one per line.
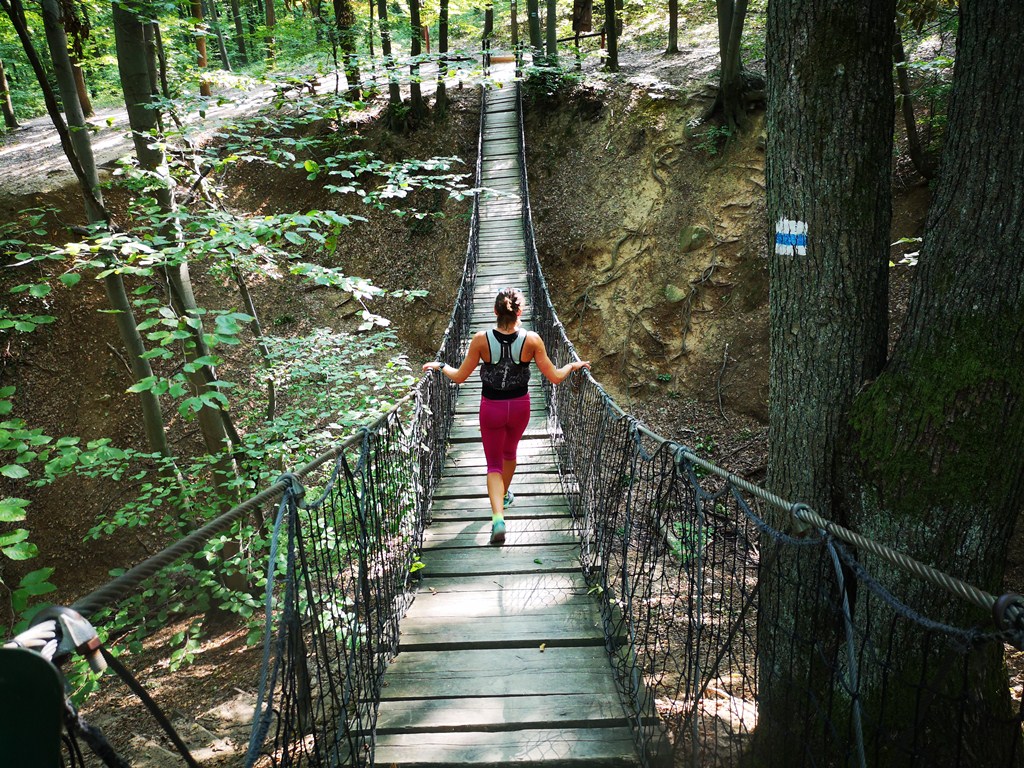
[505, 371]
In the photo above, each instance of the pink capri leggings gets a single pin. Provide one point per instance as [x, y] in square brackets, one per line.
[502, 423]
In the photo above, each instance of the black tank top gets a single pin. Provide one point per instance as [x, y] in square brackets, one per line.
[506, 376]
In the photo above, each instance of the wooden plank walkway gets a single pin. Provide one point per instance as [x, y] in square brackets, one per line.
[502, 658]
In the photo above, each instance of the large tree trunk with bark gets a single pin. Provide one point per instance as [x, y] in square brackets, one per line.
[551, 43]
[729, 101]
[937, 450]
[5, 99]
[345, 21]
[201, 62]
[829, 126]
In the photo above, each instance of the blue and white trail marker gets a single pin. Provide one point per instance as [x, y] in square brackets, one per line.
[790, 238]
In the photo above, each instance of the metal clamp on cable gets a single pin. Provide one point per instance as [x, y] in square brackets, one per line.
[294, 486]
[1008, 613]
[76, 635]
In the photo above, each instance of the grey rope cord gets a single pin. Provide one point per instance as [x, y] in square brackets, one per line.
[114, 590]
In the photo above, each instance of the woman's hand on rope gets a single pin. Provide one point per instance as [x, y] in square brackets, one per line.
[433, 365]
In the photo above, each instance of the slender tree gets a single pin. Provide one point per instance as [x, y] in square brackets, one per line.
[394, 91]
[271, 22]
[550, 24]
[77, 28]
[417, 107]
[199, 22]
[673, 28]
[6, 106]
[441, 94]
[222, 49]
[236, 18]
[924, 164]
[536, 43]
[611, 32]
[829, 126]
[345, 22]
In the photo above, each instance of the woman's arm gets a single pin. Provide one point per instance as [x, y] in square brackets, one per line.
[544, 364]
[460, 374]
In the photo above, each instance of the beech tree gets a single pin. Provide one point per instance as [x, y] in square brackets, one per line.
[345, 23]
[5, 99]
[924, 450]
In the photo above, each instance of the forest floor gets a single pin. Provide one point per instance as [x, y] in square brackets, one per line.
[651, 229]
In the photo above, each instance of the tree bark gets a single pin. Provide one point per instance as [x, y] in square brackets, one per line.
[196, 7]
[550, 22]
[829, 127]
[222, 49]
[80, 86]
[271, 20]
[732, 15]
[673, 27]
[611, 31]
[394, 92]
[937, 446]
[417, 108]
[5, 100]
[236, 18]
[441, 94]
[345, 20]
[533, 11]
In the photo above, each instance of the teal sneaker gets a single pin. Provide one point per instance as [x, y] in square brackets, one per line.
[509, 500]
[498, 533]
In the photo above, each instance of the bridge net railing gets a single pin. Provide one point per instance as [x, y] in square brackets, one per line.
[734, 643]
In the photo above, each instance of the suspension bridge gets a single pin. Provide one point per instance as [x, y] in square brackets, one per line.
[643, 610]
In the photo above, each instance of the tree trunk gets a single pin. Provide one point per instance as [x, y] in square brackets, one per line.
[5, 100]
[611, 32]
[271, 19]
[369, 33]
[829, 127]
[551, 21]
[222, 50]
[937, 450]
[533, 11]
[513, 13]
[236, 18]
[83, 91]
[732, 15]
[345, 20]
[152, 415]
[394, 92]
[488, 37]
[673, 27]
[199, 23]
[441, 94]
[417, 108]
[922, 162]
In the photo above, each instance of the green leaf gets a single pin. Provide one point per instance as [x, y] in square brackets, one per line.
[39, 576]
[293, 237]
[12, 510]
[70, 279]
[14, 471]
[24, 326]
[24, 550]
[14, 537]
[39, 290]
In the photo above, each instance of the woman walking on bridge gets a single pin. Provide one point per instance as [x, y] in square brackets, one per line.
[506, 352]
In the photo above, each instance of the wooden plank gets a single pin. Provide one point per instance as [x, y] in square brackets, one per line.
[457, 609]
[499, 714]
[507, 582]
[495, 560]
[522, 672]
[473, 487]
[558, 626]
[530, 748]
[519, 533]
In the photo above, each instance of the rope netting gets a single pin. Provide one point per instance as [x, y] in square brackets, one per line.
[740, 644]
